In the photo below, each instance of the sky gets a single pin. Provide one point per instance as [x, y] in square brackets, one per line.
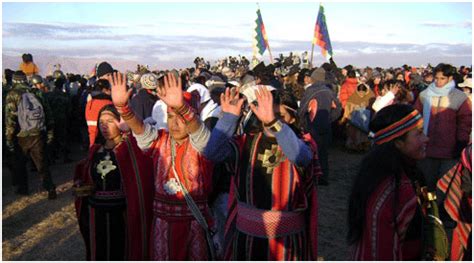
[173, 34]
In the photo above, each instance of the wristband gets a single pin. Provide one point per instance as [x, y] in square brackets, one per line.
[270, 123]
[275, 127]
[124, 109]
[128, 116]
[185, 113]
[125, 112]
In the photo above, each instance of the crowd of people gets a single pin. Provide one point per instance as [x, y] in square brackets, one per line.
[224, 162]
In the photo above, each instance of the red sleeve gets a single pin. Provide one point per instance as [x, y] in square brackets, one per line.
[464, 121]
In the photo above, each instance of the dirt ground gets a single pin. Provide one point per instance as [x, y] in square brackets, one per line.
[34, 228]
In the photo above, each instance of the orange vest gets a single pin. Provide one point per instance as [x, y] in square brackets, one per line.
[29, 68]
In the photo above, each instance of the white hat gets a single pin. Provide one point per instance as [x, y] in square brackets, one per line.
[248, 90]
[466, 84]
[159, 115]
[234, 83]
[203, 92]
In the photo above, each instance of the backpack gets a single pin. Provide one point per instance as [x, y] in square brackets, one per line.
[30, 113]
[360, 118]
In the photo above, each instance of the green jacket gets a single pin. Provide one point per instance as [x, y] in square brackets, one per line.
[12, 101]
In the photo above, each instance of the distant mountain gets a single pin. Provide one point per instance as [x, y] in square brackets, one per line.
[73, 65]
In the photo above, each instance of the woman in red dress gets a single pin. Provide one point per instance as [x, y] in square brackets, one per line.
[385, 221]
[113, 188]
[178, 167]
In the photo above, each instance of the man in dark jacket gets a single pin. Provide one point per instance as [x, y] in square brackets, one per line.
[61, 104]
[317, 104]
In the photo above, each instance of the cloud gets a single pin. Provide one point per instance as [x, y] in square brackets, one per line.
[51, 30]
[102, 41]
[465, 24]
[437, 24]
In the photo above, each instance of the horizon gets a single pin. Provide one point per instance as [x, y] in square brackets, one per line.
[171, 35]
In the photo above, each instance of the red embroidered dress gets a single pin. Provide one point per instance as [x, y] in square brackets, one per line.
[176, 234]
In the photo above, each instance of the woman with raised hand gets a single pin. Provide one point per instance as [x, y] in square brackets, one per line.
[272, 203]
[113, 189]
[182, 175]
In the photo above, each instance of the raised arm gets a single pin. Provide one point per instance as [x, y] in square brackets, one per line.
[218, 148]
[172, 95]
[120, 98]
[294, 148]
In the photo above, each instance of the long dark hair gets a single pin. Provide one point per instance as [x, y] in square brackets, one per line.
[383, 161]
[99, 139]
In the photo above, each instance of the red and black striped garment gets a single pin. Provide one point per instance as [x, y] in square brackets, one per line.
[266, 181]
[457, 185]
[381, 238]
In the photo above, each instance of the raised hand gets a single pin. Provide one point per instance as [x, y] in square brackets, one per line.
[264, 110]
[171, 92]
[118, 83]
[231, 104]
[395, 88]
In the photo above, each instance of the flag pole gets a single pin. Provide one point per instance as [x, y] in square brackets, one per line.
[267, 42]
[312, 41]
[270, 53]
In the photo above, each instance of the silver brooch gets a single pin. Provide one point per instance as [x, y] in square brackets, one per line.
[171, 187]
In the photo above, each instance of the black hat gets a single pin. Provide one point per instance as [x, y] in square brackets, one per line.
[206, 74]
[348, 67]
[103, 68]
[293, 70]
[9, 73]
[19, 77]
[270, 69]
[259, 67]
[36, 79]
[305, 72]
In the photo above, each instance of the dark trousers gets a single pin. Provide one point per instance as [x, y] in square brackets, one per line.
[34, 147]
[60, 147]
[323, 141]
